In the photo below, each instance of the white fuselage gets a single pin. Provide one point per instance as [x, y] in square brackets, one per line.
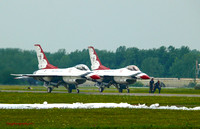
[61, 72]
[120, 76]
[127, 75]
[68, 75]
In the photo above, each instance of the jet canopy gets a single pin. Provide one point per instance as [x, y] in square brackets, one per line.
[133, 68]
[82, 67]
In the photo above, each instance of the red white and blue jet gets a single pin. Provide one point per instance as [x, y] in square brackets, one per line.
[120, 78]
[53, 76]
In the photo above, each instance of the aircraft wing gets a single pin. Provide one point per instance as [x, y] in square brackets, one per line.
[22, 77]
[89, 75]
[16, 75]
[35, 75]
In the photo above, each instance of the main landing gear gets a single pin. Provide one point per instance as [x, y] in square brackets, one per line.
[120, 88]
[102, 86]
[49, 89]
[101, 89]
[70, 87]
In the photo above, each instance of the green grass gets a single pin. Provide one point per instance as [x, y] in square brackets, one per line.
[98, 118]
[17, 98]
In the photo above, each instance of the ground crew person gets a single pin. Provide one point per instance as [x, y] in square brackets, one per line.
[157, 85]
[151, 84]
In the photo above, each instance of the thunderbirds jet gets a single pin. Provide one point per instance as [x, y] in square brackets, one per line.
[120, 78]
[52, 75]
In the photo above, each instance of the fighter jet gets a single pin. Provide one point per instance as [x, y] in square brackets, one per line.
[120, 78]
[53, 76]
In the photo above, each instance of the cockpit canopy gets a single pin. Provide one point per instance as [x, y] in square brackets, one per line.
[133, 68]
[82, 67]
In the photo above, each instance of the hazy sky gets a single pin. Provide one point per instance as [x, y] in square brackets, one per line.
[104, 24]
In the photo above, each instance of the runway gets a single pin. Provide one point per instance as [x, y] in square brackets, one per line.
[96, 93]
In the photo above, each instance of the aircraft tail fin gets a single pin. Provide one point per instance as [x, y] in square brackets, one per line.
[95, 62]
[43, 62]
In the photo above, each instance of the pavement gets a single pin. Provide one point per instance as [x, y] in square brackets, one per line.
[96, 93]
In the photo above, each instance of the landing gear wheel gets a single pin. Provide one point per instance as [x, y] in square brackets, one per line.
[77, 90]
[128, 90]
[101, 89]
[120, 90]
[49, 89]
[69, 90]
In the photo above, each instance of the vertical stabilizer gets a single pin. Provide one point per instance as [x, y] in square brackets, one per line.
[95, 62]
[43, 63]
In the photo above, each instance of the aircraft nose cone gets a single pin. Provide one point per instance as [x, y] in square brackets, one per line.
[145, 77]
[95, 77]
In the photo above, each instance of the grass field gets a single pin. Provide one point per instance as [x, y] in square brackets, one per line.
[31, 98]
[99, 118]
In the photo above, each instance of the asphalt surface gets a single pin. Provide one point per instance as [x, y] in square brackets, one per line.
[96, 93]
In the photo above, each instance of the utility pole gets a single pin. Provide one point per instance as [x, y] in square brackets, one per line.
[197, 69]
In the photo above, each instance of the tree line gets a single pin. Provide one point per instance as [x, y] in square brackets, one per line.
[156, 62]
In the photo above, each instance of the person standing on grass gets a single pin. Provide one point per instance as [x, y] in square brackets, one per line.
[151, 83]
[157, 85]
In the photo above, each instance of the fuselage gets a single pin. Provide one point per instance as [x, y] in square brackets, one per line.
[126, 75]
[61, 72]
[73, 75]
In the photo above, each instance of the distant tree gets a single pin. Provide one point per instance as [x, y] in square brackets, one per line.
[152, 67]
[132, 56]
[184, 67]
[120, 56]
[160, 62]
